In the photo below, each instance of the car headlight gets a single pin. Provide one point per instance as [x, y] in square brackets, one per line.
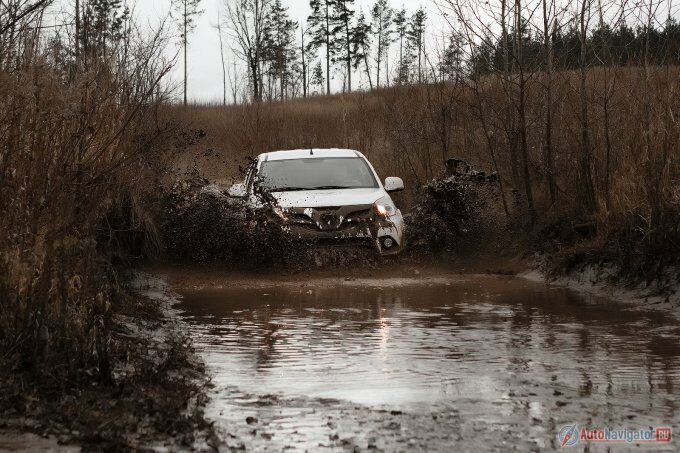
[384, 207]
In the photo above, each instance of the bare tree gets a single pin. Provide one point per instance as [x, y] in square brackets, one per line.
[247, 21]
[497, 59]
[521, 105]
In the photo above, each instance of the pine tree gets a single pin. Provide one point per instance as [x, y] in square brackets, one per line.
[279, 44]
[451, 65]
[342, 20]
[186, 12]
[382, 15]
[361, 46]
[401, 25]
[317, 79]
[320, 24]
[103, 24]
[416, 38]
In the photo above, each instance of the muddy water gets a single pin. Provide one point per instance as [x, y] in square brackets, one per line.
[474, 363]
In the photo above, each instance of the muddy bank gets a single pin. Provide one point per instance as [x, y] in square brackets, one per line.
[154, 401]
[606, 281]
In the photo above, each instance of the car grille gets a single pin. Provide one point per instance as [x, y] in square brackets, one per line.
[330, 218]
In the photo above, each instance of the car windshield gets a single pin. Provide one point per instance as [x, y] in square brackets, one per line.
[316, 174]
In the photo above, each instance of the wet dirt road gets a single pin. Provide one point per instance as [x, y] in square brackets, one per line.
[446, 363]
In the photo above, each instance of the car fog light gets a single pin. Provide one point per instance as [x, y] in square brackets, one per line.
[388, 243]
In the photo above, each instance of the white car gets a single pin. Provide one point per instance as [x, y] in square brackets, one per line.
[327, 195]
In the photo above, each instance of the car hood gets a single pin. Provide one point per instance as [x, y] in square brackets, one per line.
[328, 198]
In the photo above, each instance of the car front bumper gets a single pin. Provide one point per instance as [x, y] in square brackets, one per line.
[347, 225]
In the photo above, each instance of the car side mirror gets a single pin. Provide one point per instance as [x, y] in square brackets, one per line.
[394, 184]
[238, 191]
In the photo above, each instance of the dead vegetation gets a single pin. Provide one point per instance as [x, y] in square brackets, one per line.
[74, 155]
[69, 159]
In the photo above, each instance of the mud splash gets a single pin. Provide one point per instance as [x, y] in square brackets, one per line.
[454, 211]
[432, 363]
[201, 224]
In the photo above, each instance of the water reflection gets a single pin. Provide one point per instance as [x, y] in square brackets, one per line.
[495, 350]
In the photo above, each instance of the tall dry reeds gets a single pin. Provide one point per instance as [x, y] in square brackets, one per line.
[68, 158]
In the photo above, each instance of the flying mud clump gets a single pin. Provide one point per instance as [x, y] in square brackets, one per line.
[452, 211]
[201, 224]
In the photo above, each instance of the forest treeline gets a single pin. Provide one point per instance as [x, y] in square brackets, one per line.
[388, 45]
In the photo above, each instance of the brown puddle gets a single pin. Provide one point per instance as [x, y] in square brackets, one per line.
[471, 362]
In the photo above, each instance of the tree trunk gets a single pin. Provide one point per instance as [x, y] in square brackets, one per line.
[548, 150]
[349, 57]
[328, 51]
[255, 75]
[77, 40]
[586, 156]
[282, 78]
[608, 144]
[526, 177]
[224, 68]
[401, 57]
[510, 123]
[420, 53]
[377, 77]
[368, 71]
[304, 62]
[185, 51]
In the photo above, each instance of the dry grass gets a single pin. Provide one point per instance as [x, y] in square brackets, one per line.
[70, 142]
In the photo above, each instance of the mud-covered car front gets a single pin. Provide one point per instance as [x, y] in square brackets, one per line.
[328, 196]
[379, 224]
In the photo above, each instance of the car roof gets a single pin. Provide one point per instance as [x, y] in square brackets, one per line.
[309, 154]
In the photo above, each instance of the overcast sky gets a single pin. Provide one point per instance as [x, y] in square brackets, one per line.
[205, 71]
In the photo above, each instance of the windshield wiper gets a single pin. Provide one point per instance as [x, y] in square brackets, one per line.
[300, 189]
[289, 189]
[329, 187]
